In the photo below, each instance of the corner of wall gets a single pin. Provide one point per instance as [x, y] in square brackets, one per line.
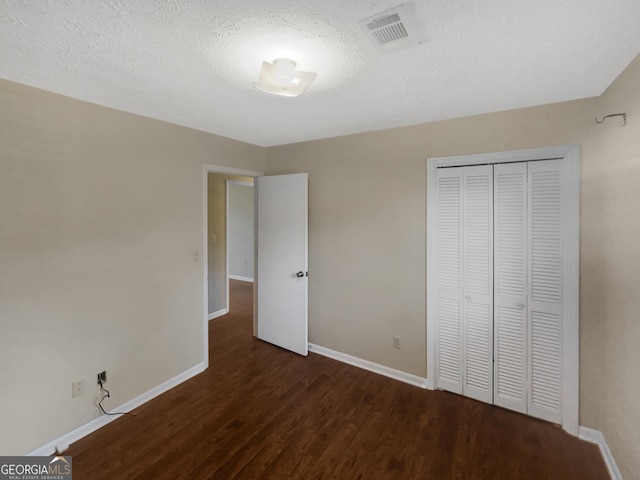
[595, 436]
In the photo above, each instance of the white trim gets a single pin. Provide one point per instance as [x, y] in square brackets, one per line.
[570, 367]
[241, 278]
[544, 153]
[206, 169]
[232, 171]
[205, 262]
[240, 183]
[218, 313]
[226, 242]
[256, 284]
[571, 292]
[399, 375]
[432, 278]
[595, 436]
[62, 443]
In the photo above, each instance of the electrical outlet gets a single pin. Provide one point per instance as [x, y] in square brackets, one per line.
[102, 377]
[396, 342]
[77, 388]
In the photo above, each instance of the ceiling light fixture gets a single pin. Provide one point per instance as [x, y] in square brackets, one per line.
[282, 78]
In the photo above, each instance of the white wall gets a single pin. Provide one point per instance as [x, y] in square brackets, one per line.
[100, 213]
[241, 227]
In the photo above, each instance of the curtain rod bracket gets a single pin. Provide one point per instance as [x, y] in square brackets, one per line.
[623, 115]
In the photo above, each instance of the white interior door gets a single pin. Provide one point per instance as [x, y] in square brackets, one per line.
[449, 287]
[510, 289]
[545, 288]
[282, 263]
[477, 261]
[465, 287]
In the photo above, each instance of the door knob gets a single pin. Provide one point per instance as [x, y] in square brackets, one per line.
[300, 274]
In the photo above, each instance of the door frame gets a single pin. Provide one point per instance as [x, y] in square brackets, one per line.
[570, 305]
[206, 170]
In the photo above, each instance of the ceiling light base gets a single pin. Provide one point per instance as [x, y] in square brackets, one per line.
[281, 78]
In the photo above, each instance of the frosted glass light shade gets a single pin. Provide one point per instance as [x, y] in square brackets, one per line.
[281, 78]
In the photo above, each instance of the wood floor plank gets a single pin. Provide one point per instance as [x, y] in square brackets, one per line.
[260, 412]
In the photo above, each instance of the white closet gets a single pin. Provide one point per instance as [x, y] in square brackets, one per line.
[502, 251]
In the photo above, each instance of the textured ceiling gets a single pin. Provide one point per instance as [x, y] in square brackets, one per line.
[193, 62]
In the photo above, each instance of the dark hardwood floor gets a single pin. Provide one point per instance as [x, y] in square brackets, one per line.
[260, 412]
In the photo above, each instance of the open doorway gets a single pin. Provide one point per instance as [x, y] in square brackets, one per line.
[280, 290]
[225, 256]
[216, 261]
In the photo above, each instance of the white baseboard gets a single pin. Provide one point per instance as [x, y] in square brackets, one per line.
[595, 436]
[371, 366]
[62, 443]
[241, 278]
[219, 313]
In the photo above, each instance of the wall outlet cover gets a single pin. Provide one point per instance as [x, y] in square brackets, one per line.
[77, 388]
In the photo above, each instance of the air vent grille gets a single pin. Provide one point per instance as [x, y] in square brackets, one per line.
[395, 29]
[388, 29]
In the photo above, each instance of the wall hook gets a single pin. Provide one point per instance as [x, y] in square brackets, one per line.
[623, 115]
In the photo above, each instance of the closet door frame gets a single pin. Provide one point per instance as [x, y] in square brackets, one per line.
[570, 156]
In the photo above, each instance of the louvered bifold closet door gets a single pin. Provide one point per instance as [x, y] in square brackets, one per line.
[510, 287]
[477, 285]
[449, 285]
[545, 293]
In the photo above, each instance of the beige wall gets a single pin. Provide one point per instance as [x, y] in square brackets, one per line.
[100, 212]
[611, 270]
[367, 236]
[217, 255]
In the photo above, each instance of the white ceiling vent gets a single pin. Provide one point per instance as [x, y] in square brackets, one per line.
[395, 29]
